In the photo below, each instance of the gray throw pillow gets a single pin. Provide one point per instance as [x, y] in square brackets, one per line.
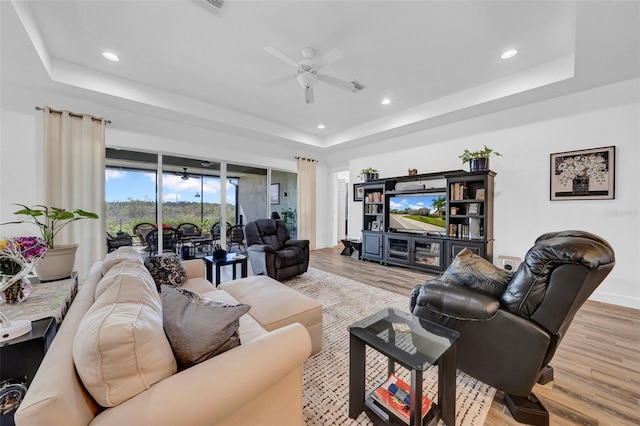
[477, 273]
[166, 270]
[199, 328]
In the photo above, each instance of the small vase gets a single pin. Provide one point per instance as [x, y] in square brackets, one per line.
[16, 292]
[580, 185]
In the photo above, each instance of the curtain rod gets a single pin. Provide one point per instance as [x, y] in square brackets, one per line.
[73, 114]
[306, 159]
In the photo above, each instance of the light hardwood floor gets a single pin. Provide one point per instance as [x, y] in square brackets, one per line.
[597, 366]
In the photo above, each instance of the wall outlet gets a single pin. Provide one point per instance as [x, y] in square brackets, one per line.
[508, 263]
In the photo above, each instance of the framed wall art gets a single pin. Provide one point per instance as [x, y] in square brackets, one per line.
[358, 192]
[587, 174]
[275, 193]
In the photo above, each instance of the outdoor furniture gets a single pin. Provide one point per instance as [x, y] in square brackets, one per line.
[119, 241]
[215, 231]
[273, 252]
[235, 235]
[170, 240]
[142, 229]
[188, 230]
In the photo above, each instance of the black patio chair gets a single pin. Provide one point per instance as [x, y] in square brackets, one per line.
[141, 230]
[113, 243]
[235, 236]
[170, 240]
[189, 230]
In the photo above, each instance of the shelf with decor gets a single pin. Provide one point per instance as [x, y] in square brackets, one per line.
[423, 221]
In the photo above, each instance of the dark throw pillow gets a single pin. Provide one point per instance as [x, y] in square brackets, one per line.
[166, 270]
[477, 273]
[199, 328]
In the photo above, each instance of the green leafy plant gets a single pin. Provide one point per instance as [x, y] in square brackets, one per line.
[475, 155]
[51, 220]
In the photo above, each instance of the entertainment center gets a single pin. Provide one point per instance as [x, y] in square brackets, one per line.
[424, 221]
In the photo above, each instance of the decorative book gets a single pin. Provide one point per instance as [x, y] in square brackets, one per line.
[393, 395]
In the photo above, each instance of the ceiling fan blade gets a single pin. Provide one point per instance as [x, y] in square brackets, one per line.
[278, 81]
[344, 85]
[334, 55]
[278, 54]
[308, 95]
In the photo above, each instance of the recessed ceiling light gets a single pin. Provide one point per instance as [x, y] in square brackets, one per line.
[386, 101]
[509, 54]
[111, 56]
[320, 126]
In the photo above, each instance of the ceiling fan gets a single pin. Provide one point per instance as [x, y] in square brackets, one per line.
[307, 71]
[184, 175]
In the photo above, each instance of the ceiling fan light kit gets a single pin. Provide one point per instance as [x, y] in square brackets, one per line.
[307, 71]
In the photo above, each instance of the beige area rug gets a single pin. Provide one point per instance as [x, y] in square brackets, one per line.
[326, 374]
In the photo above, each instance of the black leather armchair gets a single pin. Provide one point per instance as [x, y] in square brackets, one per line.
[273, 252]
[509, 340]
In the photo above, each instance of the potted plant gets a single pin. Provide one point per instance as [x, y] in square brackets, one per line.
[369, 174]
[59, 259]
[478, 160]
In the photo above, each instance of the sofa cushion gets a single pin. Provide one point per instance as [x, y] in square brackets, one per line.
[166, 270]
[120, 255]
[120, 349]
[199, 328]
[477, 273]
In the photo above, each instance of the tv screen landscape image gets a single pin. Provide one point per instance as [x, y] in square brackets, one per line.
[418, 212]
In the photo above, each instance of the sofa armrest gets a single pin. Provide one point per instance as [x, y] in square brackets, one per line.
[194, 268]
[298, 243]
[209, 392]
[457, 301]
[262, 248]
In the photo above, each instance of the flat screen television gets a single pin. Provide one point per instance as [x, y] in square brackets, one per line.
[419, 213]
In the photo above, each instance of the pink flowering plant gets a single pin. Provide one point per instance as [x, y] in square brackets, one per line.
[18, 256]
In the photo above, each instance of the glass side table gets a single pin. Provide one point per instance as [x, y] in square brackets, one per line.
[425, 345]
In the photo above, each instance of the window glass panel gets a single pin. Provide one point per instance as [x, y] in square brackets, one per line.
[130, 190]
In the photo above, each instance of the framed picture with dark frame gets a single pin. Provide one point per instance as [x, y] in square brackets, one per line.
[274, 195]
[358, 192]
[587, 174]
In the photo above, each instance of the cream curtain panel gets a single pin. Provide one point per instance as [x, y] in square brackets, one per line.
[307, 201]
[74, 164]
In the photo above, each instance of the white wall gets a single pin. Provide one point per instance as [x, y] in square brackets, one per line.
[526, 136]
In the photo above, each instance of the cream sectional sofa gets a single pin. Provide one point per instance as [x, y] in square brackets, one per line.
[256, 383]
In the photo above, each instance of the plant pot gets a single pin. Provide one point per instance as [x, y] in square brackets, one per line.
[57, 263]
[370, 176]
[479, 165]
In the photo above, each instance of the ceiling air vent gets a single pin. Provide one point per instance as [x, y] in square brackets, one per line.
[214, 6]
[356, 86]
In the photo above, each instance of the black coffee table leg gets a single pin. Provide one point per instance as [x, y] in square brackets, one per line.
[447, 385]
[209, 269]
[416, 397]
[217, 273]
[356, 376]
[243, 265]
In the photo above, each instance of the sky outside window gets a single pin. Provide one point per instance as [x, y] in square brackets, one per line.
[122, 185]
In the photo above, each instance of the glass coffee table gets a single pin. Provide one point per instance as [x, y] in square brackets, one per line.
[422, 346]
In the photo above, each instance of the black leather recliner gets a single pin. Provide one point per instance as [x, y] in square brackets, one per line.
[273, 252]
[508, 342]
